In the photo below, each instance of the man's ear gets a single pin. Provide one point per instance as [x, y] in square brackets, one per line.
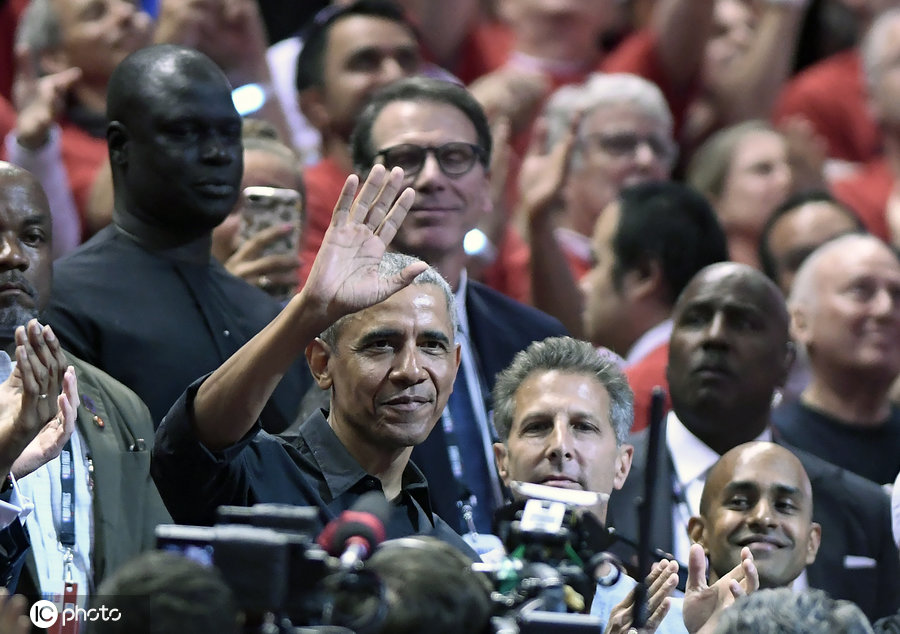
[117, 140]
[501, 457]
[312, 105]
[799, 324]
[696, 531]
[815, 540]
[646, 280]
[623, 465]
[318, 354]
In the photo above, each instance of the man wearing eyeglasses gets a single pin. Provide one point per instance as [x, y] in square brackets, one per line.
[613, 131]
[439, 135]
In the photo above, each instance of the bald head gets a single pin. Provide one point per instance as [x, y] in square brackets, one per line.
[747, 282]
[15, 176]
[758, 496]
[744, 457]
[845, 309]
[148, 74]
[833, 255]
[174, 139]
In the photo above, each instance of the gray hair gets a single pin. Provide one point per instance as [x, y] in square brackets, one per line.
[872, 47]
[39, 28]
[781, 610]
[391, 264]
[711, 163]
[564, 354]
[602, 90]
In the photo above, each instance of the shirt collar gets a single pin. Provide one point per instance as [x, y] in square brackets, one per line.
[342, 472]
[649, 341]
[691, 457]
[339, 469]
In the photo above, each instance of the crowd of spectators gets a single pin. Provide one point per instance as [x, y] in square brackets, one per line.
[706, 192]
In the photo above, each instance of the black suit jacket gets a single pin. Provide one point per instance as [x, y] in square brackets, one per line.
[499, 327]
[854, 513]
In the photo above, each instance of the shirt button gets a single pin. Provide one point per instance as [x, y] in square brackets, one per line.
[227, 333]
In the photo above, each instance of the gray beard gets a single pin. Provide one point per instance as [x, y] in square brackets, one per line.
[13, 317]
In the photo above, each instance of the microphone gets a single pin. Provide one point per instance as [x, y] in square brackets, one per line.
[645, 510]
[355, 533]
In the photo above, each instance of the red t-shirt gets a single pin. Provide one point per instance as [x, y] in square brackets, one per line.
[866, 193]
[82, 154]
[831, 95]
[485, 48]
[323, 182]
[643, 376]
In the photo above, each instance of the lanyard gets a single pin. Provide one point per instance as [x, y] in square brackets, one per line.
[66, 535]
[67, 504]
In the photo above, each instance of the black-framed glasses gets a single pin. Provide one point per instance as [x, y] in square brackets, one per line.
[454, 159]
[626, 144]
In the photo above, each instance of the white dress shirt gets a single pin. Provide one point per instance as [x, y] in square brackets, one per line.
[691, 461]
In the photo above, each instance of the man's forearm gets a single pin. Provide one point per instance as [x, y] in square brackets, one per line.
[230, 401]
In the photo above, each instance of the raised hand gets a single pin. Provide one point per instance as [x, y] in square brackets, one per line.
[39, 101]
[28, 398]
[661, 582]
[54, 435]
[544, 171]
[703, 604]
[511, 93]
[344, 276]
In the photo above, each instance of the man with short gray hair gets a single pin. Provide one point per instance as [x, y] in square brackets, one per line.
[624, 136]
[563, 414]
[612, 132]
[563, 380]
[845, 312]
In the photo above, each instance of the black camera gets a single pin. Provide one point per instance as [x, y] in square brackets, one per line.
[554, 545]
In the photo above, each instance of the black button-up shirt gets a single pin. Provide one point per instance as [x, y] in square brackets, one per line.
[312, 469]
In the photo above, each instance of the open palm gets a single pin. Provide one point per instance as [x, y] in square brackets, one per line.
[345, 276]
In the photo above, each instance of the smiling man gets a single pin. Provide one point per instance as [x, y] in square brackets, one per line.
[758, 496]
[845, 311]
[728, 352]
[563, 414]
[378, 331]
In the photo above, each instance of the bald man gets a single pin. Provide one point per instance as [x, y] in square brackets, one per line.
[146, 288]
[758, 496]
[728, 353]
[845, 311]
